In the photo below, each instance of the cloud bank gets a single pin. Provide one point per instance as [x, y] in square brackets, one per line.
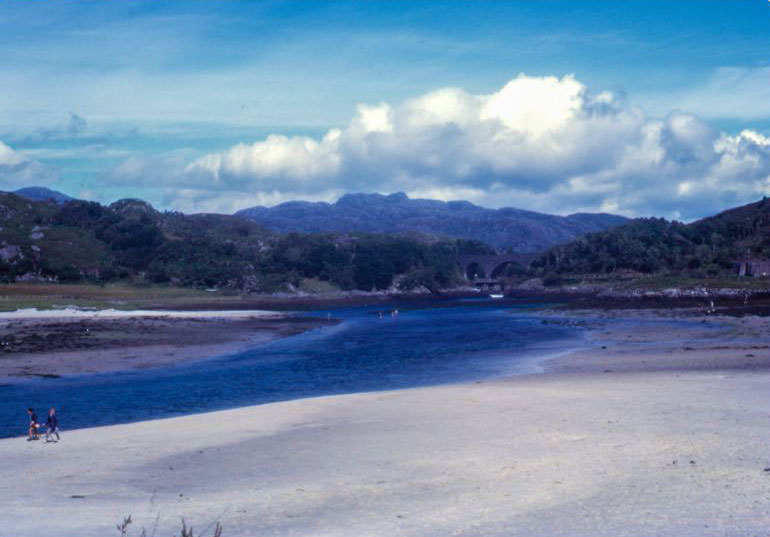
[17, 170]
[542, 143]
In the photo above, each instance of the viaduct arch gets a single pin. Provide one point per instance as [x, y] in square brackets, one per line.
[487, 267]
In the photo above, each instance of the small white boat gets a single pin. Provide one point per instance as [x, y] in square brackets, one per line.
[496, 295]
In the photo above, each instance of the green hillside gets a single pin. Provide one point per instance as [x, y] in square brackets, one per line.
[129, 241]
[706, 248]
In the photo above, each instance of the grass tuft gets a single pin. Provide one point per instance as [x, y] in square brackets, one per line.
[185, 531]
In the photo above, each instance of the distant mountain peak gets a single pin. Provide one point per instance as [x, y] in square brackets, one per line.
[504, 229]
[41, 193]
[363, 198]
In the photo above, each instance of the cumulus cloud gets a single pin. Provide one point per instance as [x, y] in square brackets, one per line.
[17, 170]
[543, 143]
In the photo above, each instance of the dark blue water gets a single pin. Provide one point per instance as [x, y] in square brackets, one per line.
[421, 346]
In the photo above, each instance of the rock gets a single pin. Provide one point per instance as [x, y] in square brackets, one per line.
[10, 252]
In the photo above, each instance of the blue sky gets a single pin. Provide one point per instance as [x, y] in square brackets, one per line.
[214, 106]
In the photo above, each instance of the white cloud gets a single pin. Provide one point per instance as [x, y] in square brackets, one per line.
[536, 106]
[276, 159]
[542, 143]
[17, 170]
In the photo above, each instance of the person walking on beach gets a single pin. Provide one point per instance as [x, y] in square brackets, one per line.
[33, 425]
[52, 426]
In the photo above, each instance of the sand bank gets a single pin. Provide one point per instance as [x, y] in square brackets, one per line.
[52, 343]
[73, 313]
[596, 451]
[673, 340]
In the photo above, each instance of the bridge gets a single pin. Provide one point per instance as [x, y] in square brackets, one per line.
[486, 269]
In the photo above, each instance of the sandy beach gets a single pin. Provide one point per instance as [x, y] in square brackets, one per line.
[656, 430]
[52, 343]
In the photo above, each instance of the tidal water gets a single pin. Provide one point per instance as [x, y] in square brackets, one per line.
[438, 344]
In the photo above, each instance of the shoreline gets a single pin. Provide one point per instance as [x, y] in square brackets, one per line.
[753, 300]
[55, 343]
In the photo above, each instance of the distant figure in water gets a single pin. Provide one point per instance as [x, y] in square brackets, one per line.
[33, 425]
[52, 426]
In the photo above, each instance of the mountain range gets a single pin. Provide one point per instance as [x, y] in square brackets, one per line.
[129, 240]
[505, 229]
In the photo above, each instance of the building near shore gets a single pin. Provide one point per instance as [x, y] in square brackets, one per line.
[755, 268]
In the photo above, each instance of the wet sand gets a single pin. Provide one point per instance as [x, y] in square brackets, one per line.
[673, 340]
[51, 344]
[664, 432]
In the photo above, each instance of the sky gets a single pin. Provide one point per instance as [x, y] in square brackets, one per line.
[636, 107]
